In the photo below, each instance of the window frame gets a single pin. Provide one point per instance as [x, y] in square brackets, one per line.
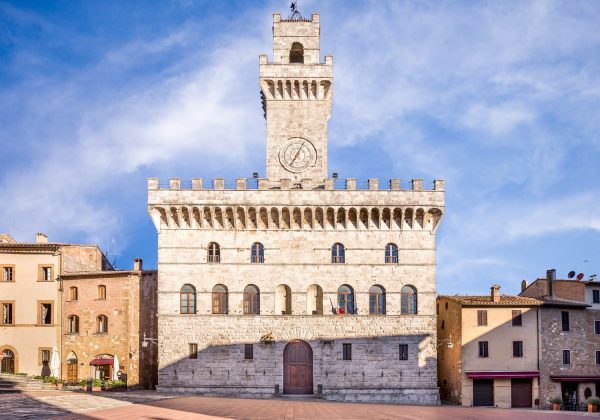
[338, 253]
[220, 300]
[517, 318]
[567, 353]
[598, 357]
[3, 267]
[346, 351]
[251, 300]
[101, 288]
[482, 317]
[379, 298]
[13, 312]
[346, 301]
[73, 291]
[518, 348]
[99, 322]
[403, 351]
[42, 277]
[595, 295]
[41, 351]
[248, 351]
[69, 325]
[257, 253]
[213, 253]
[597, 326]
[391, 253]
[190, 298]
[192, 350]
[39, 312]
[565, 321]
[484, 349]
[409, 302]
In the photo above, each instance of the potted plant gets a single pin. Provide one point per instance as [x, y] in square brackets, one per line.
[97, 385]
[556, 402]
[593, 403]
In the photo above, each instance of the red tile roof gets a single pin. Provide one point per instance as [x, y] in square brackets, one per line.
[487, 300]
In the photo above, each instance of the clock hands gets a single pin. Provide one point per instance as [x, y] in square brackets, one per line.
[296, 155]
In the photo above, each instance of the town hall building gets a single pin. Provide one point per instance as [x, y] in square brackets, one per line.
[298, 282]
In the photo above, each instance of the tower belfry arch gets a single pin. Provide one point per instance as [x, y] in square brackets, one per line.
[296, 89]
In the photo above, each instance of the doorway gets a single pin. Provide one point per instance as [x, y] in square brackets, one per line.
[7, 365]
[569, 395]
[297, 368]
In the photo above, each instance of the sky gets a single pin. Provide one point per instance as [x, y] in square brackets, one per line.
[500, 98]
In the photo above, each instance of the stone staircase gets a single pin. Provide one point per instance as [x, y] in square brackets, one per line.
[20, 383]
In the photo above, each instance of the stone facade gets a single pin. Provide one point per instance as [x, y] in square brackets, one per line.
[297, 214]
[459, 360]
[128, 300]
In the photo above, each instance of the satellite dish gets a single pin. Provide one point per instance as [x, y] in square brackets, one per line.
[571, 274]
[579, 276]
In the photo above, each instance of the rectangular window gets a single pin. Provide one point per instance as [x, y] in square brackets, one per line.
[193, 348]
[566, 357]
[517, 318]
[517, 349]
[483, 349]
[596, 296]
[481, 318]
[347, 351]
[248, 351]
[597, 357]
[597, 326]
[8, 273]
[45, 272]
[565, 320]
[44, 356]
[8, 313]
[403, 351]
[45, 313]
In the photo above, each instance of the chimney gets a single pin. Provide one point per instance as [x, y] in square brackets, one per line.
[524, 285]
[495, 293]
[40, 238]
[137, 264]
[550, 277]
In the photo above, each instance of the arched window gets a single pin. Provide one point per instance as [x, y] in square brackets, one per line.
[283, 300]
[251, 300]
[7, 364]
[408, 300]
[214, 252]
[187, 299]
[297, 53]
[101, 292]
[73, 324]
[345, 300]
[73, 293]
[314, 300]
[376, 300]
[219, 299]
[391, 254]
[257, 254]
[338, 253]
[102, 324]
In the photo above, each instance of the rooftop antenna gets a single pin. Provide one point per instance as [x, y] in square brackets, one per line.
[295, 13]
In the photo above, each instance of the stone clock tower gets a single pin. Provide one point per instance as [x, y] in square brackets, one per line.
[296, 90]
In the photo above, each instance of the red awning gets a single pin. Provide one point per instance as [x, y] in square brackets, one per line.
[102, 362]
[501, 374]
[565, 378]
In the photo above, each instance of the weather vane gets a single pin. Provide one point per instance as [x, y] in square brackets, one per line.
[295, 13]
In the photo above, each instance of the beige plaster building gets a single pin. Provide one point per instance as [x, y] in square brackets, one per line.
[30, 305]
[106, 317]
[298, 283]
[569, 328]
[488, 350]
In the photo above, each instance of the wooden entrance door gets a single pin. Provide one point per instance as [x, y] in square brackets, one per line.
[297, 368]
[483, 392]
[7, 365]
[72, 373]
[520, 392]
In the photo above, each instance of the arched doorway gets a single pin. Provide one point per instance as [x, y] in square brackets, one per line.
[297, 368]
[72, 368]
[7, 365]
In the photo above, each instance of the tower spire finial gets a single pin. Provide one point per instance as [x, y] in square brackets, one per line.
[295, 12]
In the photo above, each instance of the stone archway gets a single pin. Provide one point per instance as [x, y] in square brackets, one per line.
[297, 368]
[8, 364]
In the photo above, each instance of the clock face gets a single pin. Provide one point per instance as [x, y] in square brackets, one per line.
[297, 154]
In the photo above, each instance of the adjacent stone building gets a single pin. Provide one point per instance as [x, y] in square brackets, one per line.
[298, 283]
[569, 325]
[30, 305]
[109, 326]
[488, 350]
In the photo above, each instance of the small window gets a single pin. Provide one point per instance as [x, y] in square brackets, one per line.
[517, 318]
[483, 349]
[101, 292]
[597, 326]
[338, 254]
[44, 357]
[391, 254]
[566, 357]
[8, 274]
[73, 324]
[219, 299]
[596, 296]
[8, 315]
[597, 357]
[565, 320]
[257, 254]
[443, 324]
[297, 53]
[446, 305]
[408, 300]
[403, 348]
[482, 318]
[73, 293]
[347, 351]
[45, 315]
[517, 349]
[46, 273]
[251, 300]
[187, 299]
[376, 300]
[102, 324]
[193, 350]
[345, 300]
[214, 252]
[248, 351]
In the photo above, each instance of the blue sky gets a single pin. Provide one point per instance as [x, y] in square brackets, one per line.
[502, 99]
